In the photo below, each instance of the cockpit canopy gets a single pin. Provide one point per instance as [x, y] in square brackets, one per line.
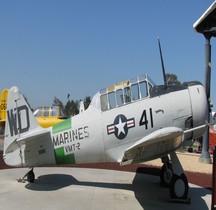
[52, 111]
[123, 93]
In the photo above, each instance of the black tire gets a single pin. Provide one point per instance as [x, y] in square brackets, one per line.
[179, 187]
[190, 150]
[31, 177]
[166, 175]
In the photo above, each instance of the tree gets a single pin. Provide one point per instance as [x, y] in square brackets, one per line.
[172, 80]
[59, 103]
[71, 108]
[87, 101]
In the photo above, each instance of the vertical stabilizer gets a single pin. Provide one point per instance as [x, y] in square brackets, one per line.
[19, 120]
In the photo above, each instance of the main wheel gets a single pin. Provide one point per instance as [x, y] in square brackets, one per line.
[166, 174]
[179, 186]
[31, 176]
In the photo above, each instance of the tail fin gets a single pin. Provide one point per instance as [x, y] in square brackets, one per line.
[3, 105]
[19, 120]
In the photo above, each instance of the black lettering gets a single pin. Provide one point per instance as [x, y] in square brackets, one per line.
[56, 141]
[3, 106]
[68, 148]
[66, 137]
[72, 148]
[61, 139]
[78, 146]
[12, 122]
[80, 132]
[70, 135]
[74, 134]
[23, 110]
[151, 117]
[18, 120]
[86, 132]
[144, 119]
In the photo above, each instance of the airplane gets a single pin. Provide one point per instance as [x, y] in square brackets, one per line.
[48, 116]
[129, 122]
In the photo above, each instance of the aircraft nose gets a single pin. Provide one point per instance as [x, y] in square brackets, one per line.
[199, 107]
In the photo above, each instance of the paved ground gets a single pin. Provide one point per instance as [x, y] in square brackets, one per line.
[81, 189]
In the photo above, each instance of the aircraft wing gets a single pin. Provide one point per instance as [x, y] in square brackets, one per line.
[154, 145]
[27, 139]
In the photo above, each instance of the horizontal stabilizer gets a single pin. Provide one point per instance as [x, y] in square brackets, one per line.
[27, 140]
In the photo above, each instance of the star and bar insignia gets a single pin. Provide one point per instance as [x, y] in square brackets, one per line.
[120, 126]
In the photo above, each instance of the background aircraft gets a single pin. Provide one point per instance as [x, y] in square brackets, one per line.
[3, 105]
[48, 116]
[129, 122]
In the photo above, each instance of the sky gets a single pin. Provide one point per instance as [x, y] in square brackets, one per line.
[52, 48]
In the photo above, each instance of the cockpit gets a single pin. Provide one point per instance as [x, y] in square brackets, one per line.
[123, 93]
[54, 111]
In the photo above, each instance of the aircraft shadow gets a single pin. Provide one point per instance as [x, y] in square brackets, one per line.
[146, 189]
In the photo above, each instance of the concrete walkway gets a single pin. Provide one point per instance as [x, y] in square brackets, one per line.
[76, 188]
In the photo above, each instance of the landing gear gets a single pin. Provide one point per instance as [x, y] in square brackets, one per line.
[172, 176]
[179, 187]
[166, 172]
[30, 177]
[190, 150]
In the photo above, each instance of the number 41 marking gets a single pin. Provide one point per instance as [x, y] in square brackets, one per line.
[144, 119]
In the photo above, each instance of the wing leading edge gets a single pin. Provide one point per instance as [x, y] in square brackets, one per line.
[154, 145]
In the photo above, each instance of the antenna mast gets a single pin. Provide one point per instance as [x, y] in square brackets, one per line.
[162, 63]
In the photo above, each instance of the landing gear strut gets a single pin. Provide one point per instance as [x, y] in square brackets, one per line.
[166, 172]
[172, 176]
[30, 177]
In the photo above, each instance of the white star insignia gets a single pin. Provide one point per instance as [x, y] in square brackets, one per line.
[120, 126]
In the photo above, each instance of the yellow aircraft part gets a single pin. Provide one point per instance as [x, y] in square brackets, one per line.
[46, 122]
[3, 106]
[48, 116]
